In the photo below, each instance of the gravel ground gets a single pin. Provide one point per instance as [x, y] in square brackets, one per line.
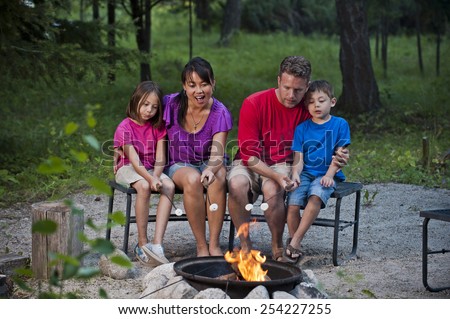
[388, 265]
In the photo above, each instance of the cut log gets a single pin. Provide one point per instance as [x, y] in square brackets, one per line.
[63, 241]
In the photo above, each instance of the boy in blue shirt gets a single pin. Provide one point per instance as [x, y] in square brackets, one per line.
[315, 143]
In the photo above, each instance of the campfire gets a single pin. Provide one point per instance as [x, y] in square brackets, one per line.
[238, 272]
[247, 264]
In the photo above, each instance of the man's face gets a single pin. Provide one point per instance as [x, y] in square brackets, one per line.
[291, 89]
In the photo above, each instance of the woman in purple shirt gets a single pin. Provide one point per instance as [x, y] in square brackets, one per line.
[197, 129]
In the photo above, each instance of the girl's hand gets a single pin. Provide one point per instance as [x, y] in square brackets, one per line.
[156, 184]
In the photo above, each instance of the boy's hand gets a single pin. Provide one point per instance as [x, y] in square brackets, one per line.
[326, 181]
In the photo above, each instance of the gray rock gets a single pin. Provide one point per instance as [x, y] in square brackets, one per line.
[110, 269]
[176, 288]
[309, 277]
[260, 292]
[212, 293]
[165, 270]
[306, 290]
[282, 295]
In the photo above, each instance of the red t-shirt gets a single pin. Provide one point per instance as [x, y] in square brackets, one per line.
[266, 128]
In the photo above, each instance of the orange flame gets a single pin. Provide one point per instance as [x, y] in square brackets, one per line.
[248, 262]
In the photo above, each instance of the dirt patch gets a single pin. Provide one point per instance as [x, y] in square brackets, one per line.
[389, 263]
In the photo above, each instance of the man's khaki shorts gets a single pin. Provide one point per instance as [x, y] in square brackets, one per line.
[256, 181]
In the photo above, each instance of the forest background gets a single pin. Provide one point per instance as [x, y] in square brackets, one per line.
[68, 69]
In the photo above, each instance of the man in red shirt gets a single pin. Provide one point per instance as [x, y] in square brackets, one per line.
[262, 164]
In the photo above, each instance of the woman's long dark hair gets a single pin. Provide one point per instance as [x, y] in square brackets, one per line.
[204, 71]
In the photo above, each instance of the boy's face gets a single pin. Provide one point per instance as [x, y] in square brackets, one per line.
[319, 106]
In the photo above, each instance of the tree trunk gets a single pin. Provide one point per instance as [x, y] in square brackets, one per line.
[141, 15]
[190, 30]
[202, 12]
[231, 21]
[438, 52]
[360, 89]
[419, 45]
[377, 41]
[384, 48]
[112, 39]
[95, 10]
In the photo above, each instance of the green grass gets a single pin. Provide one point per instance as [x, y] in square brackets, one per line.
[386, 147]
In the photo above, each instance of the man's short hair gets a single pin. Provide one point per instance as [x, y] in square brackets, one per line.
[297, 66]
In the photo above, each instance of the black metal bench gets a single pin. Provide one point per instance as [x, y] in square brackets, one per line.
[437, 214]
[342, 190]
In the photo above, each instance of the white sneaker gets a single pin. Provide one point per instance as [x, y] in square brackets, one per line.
[142, 256]
[155, 252]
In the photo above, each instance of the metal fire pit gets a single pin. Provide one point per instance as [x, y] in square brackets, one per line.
[202, 273]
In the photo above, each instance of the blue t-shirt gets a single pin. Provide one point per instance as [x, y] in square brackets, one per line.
[318, 143]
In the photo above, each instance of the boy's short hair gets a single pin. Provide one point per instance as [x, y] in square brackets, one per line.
[321, 86]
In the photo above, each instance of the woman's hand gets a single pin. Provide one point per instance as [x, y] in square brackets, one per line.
[207, 177]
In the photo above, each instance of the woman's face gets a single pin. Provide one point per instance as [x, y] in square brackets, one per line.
[198, 91]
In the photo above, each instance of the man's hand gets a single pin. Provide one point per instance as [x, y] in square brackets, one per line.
[287, 184]
[341, 157]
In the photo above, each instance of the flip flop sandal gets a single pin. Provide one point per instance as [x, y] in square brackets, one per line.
[293, 253]
[288, 241]
[278, 255]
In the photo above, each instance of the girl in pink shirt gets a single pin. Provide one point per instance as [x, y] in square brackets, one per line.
[140, 142]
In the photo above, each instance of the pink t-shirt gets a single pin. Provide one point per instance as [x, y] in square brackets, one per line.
[144, 138]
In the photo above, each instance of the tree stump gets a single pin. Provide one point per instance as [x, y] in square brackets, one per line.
[63, 241]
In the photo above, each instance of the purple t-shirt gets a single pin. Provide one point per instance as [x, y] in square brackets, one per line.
[193, 148]
[144, 138]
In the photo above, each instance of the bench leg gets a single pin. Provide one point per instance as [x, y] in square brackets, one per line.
[231, 236]
[337, 229]
[110, 210]
[127, 224]
[337, 215]
[425, 258]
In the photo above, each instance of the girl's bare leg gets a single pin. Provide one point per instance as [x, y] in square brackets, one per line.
[142, 207]
[163, 210]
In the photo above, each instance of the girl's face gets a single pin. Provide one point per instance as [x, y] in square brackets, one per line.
[319, 106]
[148, 107]
[198, 92]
